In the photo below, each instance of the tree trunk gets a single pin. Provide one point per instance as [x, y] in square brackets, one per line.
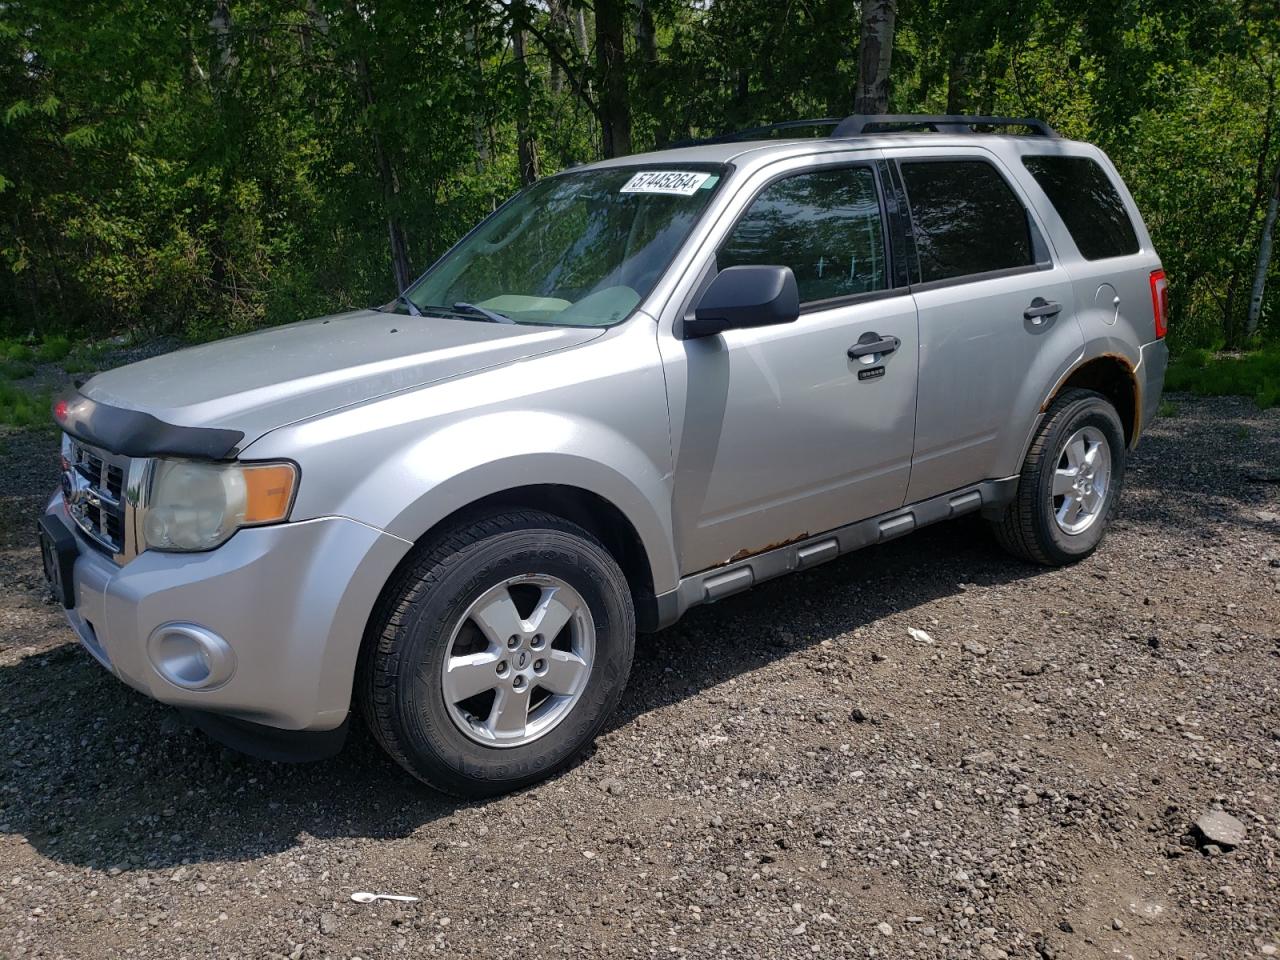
[741, 94]
[525, 147]
[1264, 258]
[1231, 323]
[875, 52]
[225, 58]
[580, 31]
[615, 110]
[646, 39]
[957, 78]
[478, 141]
[400, 269]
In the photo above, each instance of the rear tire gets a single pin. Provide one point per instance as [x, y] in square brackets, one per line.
[497, 653]
[1069, 484]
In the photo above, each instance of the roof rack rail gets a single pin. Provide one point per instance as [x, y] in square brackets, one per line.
[757, 133]
[861, 124]
[866, 124]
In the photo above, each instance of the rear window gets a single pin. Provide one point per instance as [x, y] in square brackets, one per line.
[967, 219]
[1088, 203]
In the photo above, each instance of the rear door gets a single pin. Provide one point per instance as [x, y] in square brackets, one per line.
[996, 314]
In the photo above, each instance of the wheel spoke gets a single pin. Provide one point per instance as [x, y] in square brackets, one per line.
[510, 713]
[1063, 482]
[466, 676]
[1093, 502]
[1070, 510]
[551, 615]
[1076, 452]
[565, 671]
[1091, 457]
[499, 619]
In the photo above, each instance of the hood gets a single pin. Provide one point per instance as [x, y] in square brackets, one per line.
[260, 381]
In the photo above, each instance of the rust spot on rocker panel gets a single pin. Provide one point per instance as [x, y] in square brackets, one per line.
[744, 554]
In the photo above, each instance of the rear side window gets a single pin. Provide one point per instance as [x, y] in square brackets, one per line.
[1088, 204]
[967, 220]
[825, 226]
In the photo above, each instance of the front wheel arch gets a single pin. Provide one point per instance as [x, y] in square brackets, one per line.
[598, 516]
[410, 717]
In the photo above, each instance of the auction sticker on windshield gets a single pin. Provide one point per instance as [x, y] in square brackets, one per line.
[680, 182]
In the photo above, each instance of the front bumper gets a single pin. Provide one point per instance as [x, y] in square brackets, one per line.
[289, 601]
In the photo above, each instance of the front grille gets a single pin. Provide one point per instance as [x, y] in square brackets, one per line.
[93, 484]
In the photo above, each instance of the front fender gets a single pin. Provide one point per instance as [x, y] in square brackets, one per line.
[473, 459]
[592, 418]
[407, 484]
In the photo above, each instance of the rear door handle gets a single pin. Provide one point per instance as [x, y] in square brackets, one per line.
[1040, 308]
[872, 343]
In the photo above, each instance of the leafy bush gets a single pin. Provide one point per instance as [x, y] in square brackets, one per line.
[15, 351]
[1253, 374]
[24, 408]
[53, 348]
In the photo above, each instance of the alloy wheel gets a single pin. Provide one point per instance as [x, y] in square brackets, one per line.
[1081, 481]
[518, 660]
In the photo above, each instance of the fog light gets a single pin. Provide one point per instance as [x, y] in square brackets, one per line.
[190, 657]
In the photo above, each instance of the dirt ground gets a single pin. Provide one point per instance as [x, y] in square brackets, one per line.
[791, 773]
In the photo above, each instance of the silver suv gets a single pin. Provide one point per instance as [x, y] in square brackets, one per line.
[639, 386]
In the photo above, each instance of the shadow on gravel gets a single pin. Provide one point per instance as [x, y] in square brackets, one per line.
[93, 774]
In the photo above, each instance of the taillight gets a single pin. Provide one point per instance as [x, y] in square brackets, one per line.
[1160, 302]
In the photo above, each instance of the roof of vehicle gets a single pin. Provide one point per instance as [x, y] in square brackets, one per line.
[851, 133]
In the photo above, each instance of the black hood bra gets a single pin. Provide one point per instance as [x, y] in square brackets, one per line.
[133, 433]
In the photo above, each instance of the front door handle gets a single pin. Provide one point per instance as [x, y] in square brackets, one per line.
[872, 343]
[1040, 308]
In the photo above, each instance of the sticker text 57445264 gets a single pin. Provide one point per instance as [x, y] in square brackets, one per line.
[684, 183]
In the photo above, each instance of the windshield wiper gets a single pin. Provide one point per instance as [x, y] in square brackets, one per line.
[413, 307]
[463, 307]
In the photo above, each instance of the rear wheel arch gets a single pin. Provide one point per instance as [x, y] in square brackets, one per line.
[1113, 377]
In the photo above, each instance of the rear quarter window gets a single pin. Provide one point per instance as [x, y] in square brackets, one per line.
[1088, 203]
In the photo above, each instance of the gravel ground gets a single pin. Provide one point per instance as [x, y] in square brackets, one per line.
[791, 773]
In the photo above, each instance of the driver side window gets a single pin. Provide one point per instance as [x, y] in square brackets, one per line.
[824, 225]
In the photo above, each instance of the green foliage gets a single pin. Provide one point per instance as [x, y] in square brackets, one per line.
[25, 408]
[15, 351]
[84, 358]
[15, 360]
[162, 171]
[1252, 374]
[53, 348]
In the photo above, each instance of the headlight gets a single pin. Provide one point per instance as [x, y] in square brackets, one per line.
[194, 505]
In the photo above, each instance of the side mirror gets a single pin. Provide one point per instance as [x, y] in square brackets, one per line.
[752, 295]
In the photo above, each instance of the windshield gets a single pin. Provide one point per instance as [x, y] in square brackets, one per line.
[578, 249]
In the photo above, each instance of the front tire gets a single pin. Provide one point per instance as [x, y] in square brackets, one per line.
[497, 653]
[1070, 482]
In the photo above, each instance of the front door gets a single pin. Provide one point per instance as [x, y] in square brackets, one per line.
[795, 429]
